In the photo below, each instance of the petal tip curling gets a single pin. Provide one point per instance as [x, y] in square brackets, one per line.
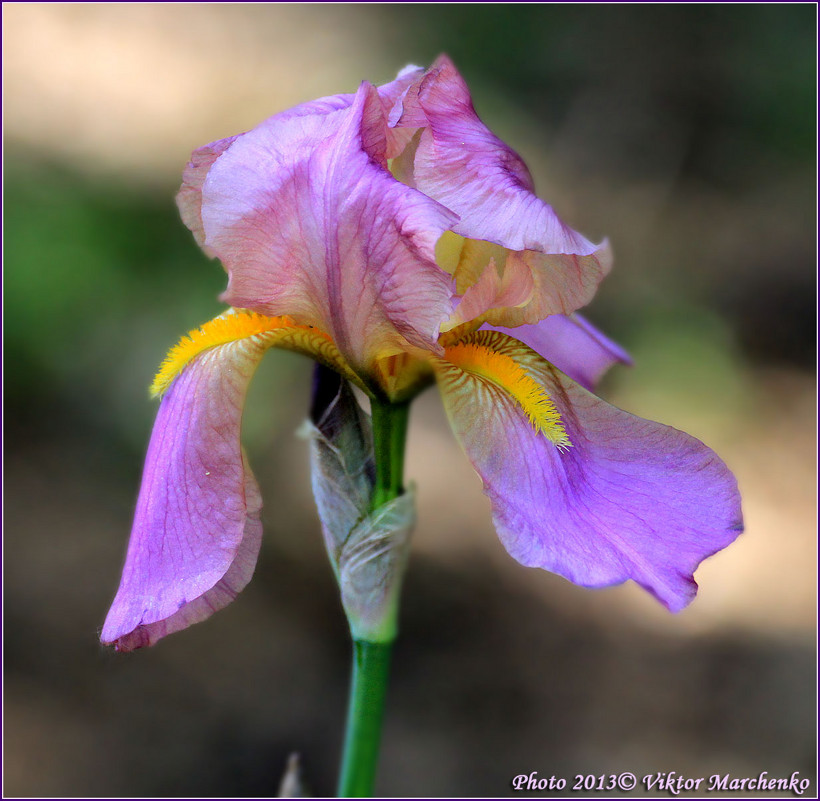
[632, 499]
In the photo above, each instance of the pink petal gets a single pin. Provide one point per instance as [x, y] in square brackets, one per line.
[513, 286]
[631, 499]
[573, 345]
[189, 197]
[308, 222]
[391, 94]
[463, 165]
[197, 528]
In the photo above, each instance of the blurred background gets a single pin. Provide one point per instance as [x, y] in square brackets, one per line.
[685, 133]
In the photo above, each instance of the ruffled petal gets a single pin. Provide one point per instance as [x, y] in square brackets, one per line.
[630, 499]
[189, 197]
[391, 95]
[463, 165]
[511, 286]
[308, 222]
[573, 345]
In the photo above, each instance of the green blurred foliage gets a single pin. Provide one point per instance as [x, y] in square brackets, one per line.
[744, 74]
[96, 275]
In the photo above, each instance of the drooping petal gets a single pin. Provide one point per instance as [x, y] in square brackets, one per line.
[464, 166]
[196, 530]
[197, 526]
[573, 345]
[630, 499]
[308, 222]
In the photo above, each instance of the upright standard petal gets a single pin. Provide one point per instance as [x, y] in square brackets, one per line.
[390, 95]
[308, 222]
[573, 345]
[463, 165]
[617, 498]
[189, 197]
[197, 527]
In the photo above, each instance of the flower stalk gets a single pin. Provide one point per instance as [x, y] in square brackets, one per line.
[365, 712]
[371, 660]
[389, 438]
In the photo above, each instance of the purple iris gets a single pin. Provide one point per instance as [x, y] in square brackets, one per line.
[389, 235]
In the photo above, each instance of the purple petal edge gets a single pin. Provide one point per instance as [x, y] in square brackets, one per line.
[631, 499]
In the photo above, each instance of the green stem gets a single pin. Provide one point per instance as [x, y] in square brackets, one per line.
[371, 660]
[389, 435]
[371, 664]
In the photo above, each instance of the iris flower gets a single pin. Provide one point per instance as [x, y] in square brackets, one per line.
[389, 235]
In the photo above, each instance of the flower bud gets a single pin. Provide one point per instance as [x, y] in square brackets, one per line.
[368, 551]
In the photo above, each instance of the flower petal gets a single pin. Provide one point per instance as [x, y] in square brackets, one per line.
[631, 499]
[197, 528]
[390, 95]
[463, 165]
[512, 285]
[234, 326]
[573, 345]
[124, 614]
[189, 197]
[308, 222]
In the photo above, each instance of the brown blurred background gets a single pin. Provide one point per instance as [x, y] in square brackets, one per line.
[685, 133]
